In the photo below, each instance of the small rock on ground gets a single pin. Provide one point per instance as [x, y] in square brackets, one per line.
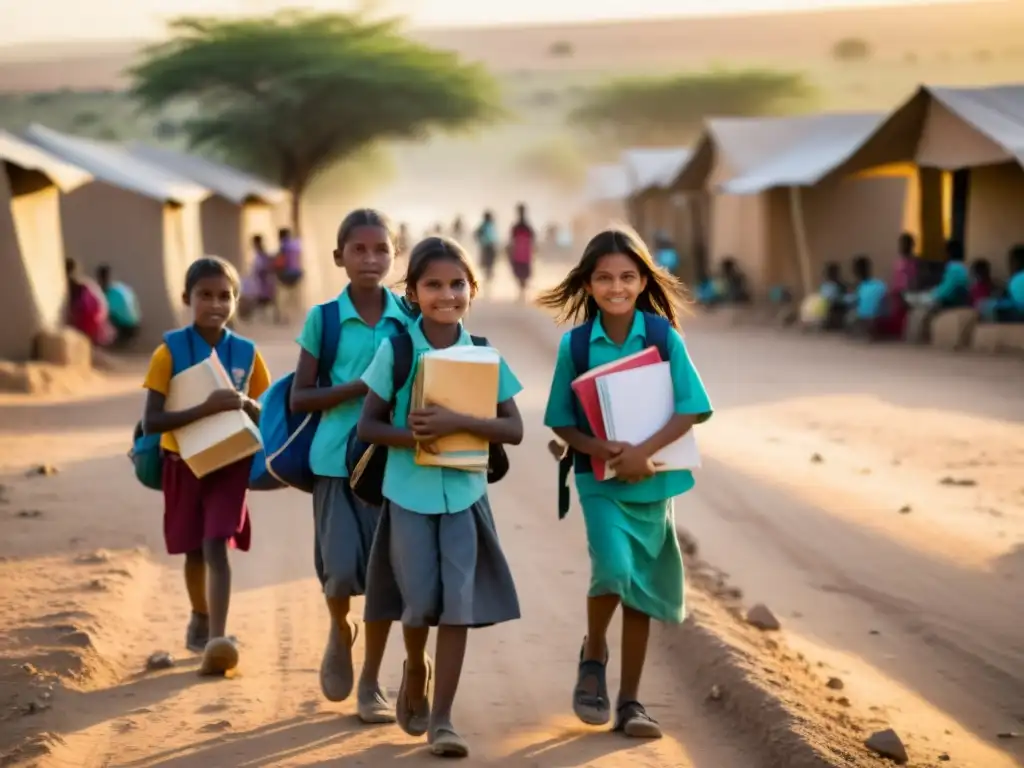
[159, 660]
[887, 744]
[761, 617]
[835, 684]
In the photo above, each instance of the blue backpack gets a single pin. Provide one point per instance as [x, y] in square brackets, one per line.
[237, 353]
[288, 436]
[656, 333]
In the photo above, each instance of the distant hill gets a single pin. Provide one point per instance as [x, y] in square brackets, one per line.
[918, 34]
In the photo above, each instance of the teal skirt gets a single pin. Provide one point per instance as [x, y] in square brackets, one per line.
[634, 553]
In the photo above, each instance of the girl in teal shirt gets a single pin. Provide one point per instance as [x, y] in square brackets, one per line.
[634, 553]
[344, 525]
[436, 559]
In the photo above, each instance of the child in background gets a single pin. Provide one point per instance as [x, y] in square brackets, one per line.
[867, 301]
[617, 290]
[436, 560]
[667, 257]
[204, 517]
[344, 525]
[125, 314]
[983, 287]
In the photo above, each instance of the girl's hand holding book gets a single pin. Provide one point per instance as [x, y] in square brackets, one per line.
[633, 465]
[434, 421]
[223, 400]
[607, 450]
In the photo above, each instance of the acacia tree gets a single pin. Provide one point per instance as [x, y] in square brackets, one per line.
[671, 110]
[290, 95]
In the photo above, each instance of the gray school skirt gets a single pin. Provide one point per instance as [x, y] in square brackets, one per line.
[344, 530]
[427, 570]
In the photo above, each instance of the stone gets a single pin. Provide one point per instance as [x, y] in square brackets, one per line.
[761, 617]
[158, 661]
[835, 684]
[66, 347]
[888, 744]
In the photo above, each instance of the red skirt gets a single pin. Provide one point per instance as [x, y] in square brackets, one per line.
[213, 507]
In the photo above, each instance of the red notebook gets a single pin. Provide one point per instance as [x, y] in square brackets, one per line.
[585, 387]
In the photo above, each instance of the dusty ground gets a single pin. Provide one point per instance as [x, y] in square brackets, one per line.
[917, 613]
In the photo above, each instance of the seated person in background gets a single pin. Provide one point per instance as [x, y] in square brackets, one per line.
[826, 309]
[123, 308]
[1009, 307]
[983, 287]
[734, 283]
[952, 292]
[867, 301]
[87, 306]
[665, 252]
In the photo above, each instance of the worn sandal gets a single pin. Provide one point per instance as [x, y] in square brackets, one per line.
[415, 723]
[632, 719]
[337, 675]
[592, 708]
[445, 742]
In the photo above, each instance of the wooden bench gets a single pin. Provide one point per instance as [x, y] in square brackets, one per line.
[953, 328]
[995, 338]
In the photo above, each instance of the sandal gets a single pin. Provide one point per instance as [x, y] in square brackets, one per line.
[415, 723]
[632, 719]
[445, 742]
[337, 676]
[592, 708]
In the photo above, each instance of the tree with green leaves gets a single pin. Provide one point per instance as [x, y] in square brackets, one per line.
[670, 110]
[290, 95]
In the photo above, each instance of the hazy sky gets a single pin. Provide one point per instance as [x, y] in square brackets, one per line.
[26, 21]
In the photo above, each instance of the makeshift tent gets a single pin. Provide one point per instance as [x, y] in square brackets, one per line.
[140, 219]
[34, 288]
[605, 190]
[652, 206]
[965, 148]
[771, 207]
[241, 205]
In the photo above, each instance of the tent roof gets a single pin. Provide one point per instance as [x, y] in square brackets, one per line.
[230, 183]
[653, 167]
[815, 146]
[606, 182]
[24, 155]
[996, 111]
[113, 165]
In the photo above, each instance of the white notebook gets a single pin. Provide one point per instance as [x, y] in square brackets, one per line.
[635, 404]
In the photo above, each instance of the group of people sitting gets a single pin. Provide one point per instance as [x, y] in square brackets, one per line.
[918, 291]
[104, 309]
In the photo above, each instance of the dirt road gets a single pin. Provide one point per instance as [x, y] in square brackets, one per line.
[925, 635]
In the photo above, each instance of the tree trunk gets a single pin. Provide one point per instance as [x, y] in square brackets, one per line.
[296, 190]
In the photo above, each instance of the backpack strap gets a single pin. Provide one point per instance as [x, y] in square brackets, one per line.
[480, 341]
[241, 356]
[330, 339]
[656, 333]
[401, 347]
[182, 348]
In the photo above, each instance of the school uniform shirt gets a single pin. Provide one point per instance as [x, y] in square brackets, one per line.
[869, 298]
[690, 398]
[358, 343]
[955, 285]
[427, 490]
[161, 370]
[124, 307]
[1015, 291]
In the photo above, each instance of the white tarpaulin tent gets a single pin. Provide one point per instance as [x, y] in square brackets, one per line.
[139, 218]
[653, 167]
[33, 291]
[782, 237]
[241, 205]
[941, 129]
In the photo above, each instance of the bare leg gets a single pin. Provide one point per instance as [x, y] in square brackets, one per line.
[336, 672]
[590, 700]
[198, 633]
[376, 642]
[415, 664]
[636, 630]
[218, 587]
[600, 611]
[450, 653]
[220, 655]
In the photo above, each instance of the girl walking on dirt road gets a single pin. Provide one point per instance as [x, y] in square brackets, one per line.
[366, 315]
[203, 517]
[624, 301]
[436, 560]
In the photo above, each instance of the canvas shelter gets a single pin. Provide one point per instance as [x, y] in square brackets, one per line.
[33, 291]
[964, 150]
[241, 205]
[772, 207]
[139, 218]
[653, 207]
[605, 192]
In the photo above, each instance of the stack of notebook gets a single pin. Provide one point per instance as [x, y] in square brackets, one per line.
[630, 400]
[463, 379]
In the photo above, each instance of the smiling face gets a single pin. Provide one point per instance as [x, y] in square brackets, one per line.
[213, 302]
[443, 291]
[616, 283]
[366, 256]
